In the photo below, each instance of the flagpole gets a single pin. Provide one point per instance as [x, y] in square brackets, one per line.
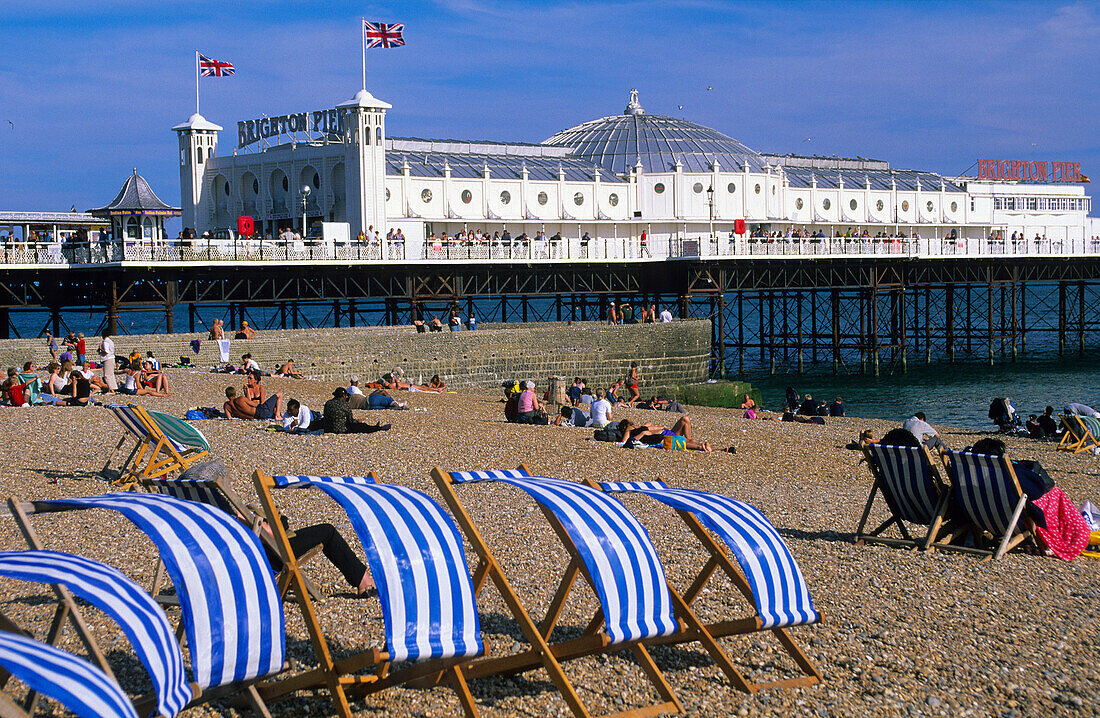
[363, 36]
[196, 82]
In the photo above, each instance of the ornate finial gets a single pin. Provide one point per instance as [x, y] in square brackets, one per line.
[135, 171]
[632, 107]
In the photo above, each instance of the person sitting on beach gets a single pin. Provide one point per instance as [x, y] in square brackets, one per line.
[338, 418]
[131, 385]
[287, 370]
[1048, 423]
[678, 438]
[1034, 428]
[248, 364]
[601, 410]
[528, 405]
[353, 386]
[435, 325]
[436, 384]
[748, 403]
[66, 356]
[792, 399]
[575, 390]
[238, 407]
[419, 324]
[154, 379]
[152, 360]
[613, 392]
[267, 407]
[822, 408]
[918, 427]
[808, 407]
[297, 418]
[393, 382]
[134, 360]
[1082, 410]
[571, 416]
[90, 375]
[245, 332]
[14, 389]
[837, 407]
[59, 379]
[80, 390]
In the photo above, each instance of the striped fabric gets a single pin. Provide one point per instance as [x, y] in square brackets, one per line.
[73, 682]
[1093, 425]
[140, 618]
[285, 481]
[778, 588]
[231, 608]
[907, 483]
[416, 558]
[179, 431]
[984, 489]
[133, 424]
[194, 490]
[615, 548]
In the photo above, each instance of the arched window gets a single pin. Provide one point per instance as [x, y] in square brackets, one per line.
[378, 135]
[133, 228]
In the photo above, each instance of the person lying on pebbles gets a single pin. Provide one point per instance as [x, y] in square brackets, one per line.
[678, 438]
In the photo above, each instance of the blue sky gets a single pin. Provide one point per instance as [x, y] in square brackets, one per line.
[92, 89]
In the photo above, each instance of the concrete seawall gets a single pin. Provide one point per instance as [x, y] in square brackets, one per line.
[667, 354]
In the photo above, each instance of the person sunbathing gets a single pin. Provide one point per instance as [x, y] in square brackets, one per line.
[154, 378]
[267, 407]
[436, 384]
[58, 380]
[287, 369]
[393, 382]
[245, 332]
[133, 387]
[748, 403]
[238, 407]
[14, 389]
[678, 438]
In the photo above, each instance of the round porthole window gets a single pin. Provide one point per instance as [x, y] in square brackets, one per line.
[731, 188]
[954, 206]
[613, 199]
[853, 204]
[757, 189]
[578, 199]
[826, 204]
[542, 198]
[879, 205]
[387, 194]
[505, 197]
[798, 203]
[929, 205]
[697, 188]
[467, 196]
[659, 188]
[905, 205]
[426, 195]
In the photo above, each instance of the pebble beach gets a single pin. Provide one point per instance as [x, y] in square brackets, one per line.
[905, 633]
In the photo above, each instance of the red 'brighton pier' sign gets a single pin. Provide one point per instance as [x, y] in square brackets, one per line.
[1034, 171]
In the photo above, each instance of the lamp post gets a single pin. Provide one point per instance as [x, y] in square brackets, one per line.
[305, 196]
[710, 206]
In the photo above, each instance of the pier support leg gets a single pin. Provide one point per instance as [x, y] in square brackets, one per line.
[294, 315]
[191, 317]
[282, 315]
[721, 324]
[1080, 318]
[835, 321]
[741, 333]
[170, 307]
[949, 330]
[1023, 318]
[504, 309]
[989, 318]
[798, 324]
[873, 317]
[5, 323]
[1062, 318]
[903, 336]
[771, 329]
[112, 308]
[336, 313]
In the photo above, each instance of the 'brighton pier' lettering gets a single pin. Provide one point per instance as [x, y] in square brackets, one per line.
[1030, 171]
[326, 121]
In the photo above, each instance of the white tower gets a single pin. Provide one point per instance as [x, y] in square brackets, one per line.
[198, 143]
[363, 119]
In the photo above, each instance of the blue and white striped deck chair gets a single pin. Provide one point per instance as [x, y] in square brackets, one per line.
[986, 491]
[610, 550]
[106, 588]
[73, 682]
[156, 453]
[416, 558]
[231, 613]
[766, 573]
[914, 492]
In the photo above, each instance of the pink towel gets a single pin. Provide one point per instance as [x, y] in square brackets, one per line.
[1066, 534]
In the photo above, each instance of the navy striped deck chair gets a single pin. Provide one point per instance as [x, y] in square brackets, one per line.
[76, 684]
[611, 551]
[106, 588]
[986, 491]
[765, 572]
[415, 555]
[155, 453]
[914, 492]
[216, 492]
[230, 610]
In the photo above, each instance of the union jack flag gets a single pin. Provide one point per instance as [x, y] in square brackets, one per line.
[215, 68]
[380, 34]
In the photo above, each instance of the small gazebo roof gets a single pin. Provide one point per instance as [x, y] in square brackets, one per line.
[136, 197]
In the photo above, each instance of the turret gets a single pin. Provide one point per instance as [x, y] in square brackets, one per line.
[198, 142]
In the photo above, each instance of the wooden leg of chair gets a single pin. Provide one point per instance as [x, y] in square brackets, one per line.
[795, 651]
[257, 702]
[937, 522]
[656, 677]
[458, 682]
[1004, 545]
[866, 511]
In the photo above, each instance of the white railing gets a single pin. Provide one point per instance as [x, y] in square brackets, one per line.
[603, 249]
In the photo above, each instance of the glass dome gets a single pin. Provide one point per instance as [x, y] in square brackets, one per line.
[619, 142]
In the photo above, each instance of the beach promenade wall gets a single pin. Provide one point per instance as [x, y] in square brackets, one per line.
[667, 354]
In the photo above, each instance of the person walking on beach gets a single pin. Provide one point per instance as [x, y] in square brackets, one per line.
[632, 384]
[612, 314]
[107, 357]
[51, 343]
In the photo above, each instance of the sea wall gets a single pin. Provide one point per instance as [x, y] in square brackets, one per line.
[667, 354]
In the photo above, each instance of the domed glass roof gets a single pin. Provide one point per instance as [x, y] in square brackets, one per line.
[621, 141]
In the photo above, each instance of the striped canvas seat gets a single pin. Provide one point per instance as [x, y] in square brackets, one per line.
[231, 609]
[627, 575]
[985, 488]
[133, 610]
[778, 588]
[1082, 433]
[183, 436]
[73, 682]
[193, 490]
[416, 558]
[911, 486]
[156, 452]
[610, 552]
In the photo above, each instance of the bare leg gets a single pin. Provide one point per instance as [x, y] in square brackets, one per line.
[278, 405]
[683, 427]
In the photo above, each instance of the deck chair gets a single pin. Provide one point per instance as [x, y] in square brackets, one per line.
[613, 554]
[155, 454]
[416, 557]
[766, 573]
[230, 610]
[914, 491]
[120, 598]
[986, 490]
[73, 682]
[1081, 434]
[216, 492]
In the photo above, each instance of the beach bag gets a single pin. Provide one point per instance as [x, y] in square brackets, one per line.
[511, 408]
[608, 433]
[541, 419]
[193, 414]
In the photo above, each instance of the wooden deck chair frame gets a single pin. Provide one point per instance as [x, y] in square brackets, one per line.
[68, 608]
[249, 514]
[1078, 437]
[154, 456]
[936, 527]
[543, 653]
[341, 677]
[719, 558]
[1019, 527]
